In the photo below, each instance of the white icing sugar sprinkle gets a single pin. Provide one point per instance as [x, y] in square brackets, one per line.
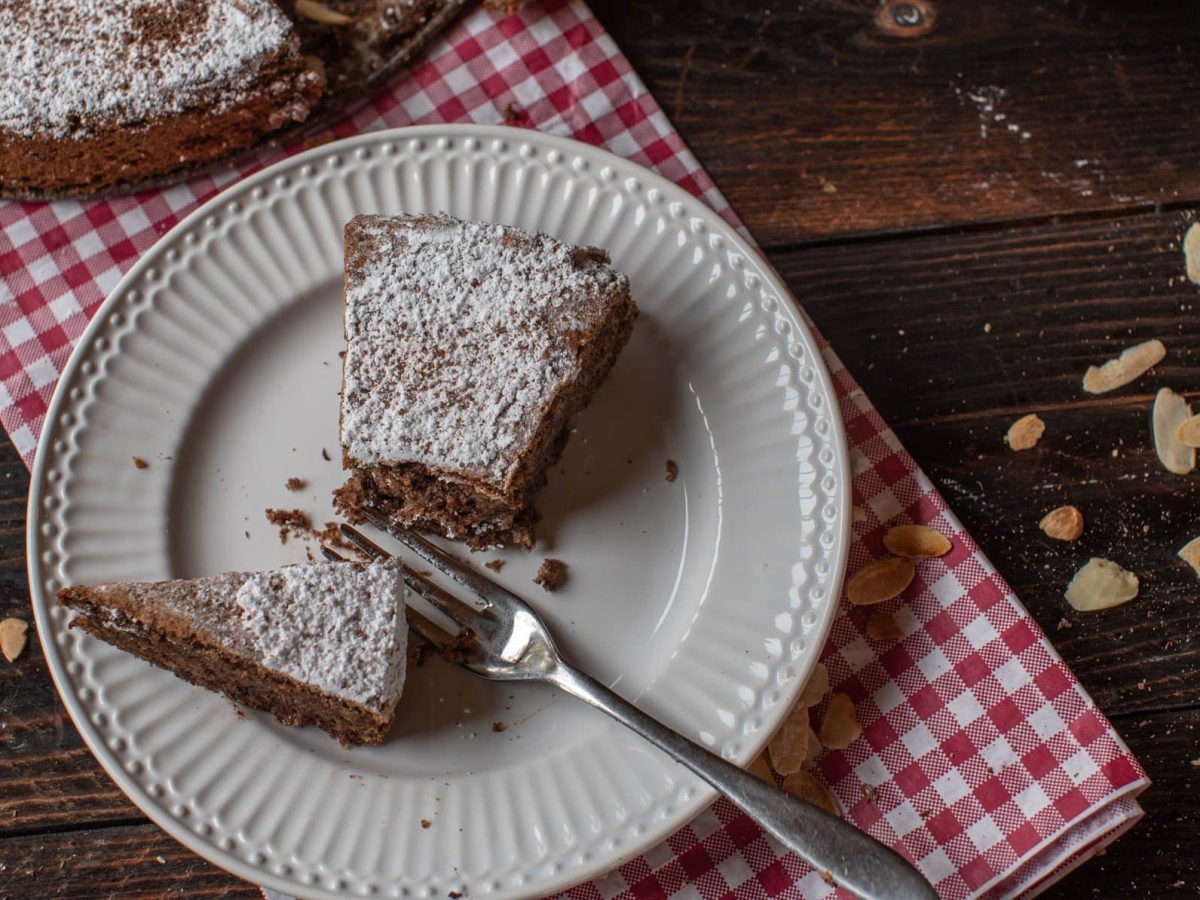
[68, 64]
[339, 627]
[458, 336]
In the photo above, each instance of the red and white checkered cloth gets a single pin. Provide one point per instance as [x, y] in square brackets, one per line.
[991, 768]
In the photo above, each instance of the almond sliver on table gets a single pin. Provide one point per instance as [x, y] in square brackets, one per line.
[991, 767]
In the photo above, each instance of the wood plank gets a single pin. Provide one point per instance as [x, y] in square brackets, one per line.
[48, 777]
[993, 324]
[131, 861]
[826, 118]
[1139, 657]
[955, 336]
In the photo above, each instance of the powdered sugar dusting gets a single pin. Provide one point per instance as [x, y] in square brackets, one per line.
[66, 65]
[459, 334]
[339, 627]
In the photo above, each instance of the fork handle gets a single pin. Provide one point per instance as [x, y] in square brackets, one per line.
[856, 861]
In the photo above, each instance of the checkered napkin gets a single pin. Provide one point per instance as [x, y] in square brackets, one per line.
[982, 759]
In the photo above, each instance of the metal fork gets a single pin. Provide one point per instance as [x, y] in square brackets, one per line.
[507, 641]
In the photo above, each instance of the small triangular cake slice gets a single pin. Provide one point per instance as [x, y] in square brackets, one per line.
[321, 644]
[469, 347]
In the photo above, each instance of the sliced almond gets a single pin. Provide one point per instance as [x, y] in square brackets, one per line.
[789, 746]
[839, 728]
[807, 786]
[1132, 364]
[1062, 524]
[1190, 553]
[882, 626]
[1188, 432]
[881, 580]
[13, 637]
[1024, 433]
[760, 768]
[816, 687]
[1101, 584]
[319, 12]
[1191, 253]
[916, 541]
[316, 65]
[814, 749]
[1170, 412]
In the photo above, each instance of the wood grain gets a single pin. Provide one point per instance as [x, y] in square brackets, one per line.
[1002, 322]
[823, 118]
[954, 337]
[129, 861]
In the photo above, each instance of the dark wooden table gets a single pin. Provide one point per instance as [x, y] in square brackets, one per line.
[973, 201]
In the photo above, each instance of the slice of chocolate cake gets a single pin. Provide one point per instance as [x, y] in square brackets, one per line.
[95, 93]
[469, 346]
[320, 644]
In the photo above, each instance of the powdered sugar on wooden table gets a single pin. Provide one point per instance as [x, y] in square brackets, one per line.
[66, 65]
[339, 627]
[458, 336]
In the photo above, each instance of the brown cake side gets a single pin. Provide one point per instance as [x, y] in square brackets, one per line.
[95, 94]
[191, 628]
[457, 495]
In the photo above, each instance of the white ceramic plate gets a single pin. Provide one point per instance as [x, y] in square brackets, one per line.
[706, 600]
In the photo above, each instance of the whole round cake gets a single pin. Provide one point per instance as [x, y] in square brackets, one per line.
[96, 93]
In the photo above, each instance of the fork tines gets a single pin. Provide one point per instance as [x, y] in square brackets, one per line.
[480, 585]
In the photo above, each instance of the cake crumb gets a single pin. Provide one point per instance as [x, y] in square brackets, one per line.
[461, 647]
[494, 564]
[499, 727]
[291, 522]
[425, 823]
[672, 470]
[296, 523]
[139, 463]
[552, 575]
[420, 648]
[331, 535]
[295, 484]
[325, 455]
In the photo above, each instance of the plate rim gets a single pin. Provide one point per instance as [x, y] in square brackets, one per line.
[673, 193]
